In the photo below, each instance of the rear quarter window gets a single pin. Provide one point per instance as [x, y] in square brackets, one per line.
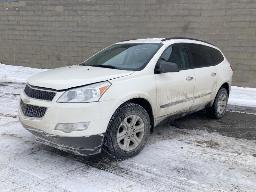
[216, 56]
[204, 56]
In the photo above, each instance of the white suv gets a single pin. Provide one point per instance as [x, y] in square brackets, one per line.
[115, 98]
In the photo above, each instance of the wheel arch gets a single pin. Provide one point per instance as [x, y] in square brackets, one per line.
[108, 143]
[145, 104]
[226, 86]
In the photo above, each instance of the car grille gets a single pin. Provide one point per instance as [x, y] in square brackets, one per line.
[31, 110]
[39, 93]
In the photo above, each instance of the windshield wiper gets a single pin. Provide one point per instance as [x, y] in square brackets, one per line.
[83, 64]
[104, 66]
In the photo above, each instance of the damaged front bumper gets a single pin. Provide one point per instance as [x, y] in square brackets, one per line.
[82, 146]
[86, 138]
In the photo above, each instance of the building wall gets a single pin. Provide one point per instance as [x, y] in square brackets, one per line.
[52, 33]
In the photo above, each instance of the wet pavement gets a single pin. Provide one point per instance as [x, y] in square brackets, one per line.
[233, 124]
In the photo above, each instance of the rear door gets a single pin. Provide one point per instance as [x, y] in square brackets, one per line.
[205, 73]
[175, 90]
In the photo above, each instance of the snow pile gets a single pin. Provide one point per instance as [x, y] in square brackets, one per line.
[241, 96]
[16, 74]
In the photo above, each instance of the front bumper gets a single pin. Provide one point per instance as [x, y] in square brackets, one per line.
[85, 142]
[82, 146]
[97, 114]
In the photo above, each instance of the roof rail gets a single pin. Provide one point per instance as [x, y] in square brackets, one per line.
[188, 38]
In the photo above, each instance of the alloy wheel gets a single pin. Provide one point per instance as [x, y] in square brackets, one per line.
[222, 103]
[130, 133]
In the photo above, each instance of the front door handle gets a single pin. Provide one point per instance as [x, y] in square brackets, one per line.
[213, 74]
[189, 78]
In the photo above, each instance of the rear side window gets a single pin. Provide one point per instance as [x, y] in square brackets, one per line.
[203, 56]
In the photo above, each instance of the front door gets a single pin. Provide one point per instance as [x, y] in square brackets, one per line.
[175, 90]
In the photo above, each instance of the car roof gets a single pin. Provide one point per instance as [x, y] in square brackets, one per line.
[146, 40]
[169, 40]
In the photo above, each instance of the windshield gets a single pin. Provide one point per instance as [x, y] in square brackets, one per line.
[124, 56]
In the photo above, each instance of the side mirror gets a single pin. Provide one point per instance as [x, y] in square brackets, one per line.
[166, 67]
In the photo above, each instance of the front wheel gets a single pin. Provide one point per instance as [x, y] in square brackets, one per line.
[219, 106]
[128, 131]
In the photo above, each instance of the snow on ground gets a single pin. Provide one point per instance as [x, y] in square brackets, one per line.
[186, 161]
[173, 160]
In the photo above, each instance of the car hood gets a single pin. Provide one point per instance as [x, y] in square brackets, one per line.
[73, 76]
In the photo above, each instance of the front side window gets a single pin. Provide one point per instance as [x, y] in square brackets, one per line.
[124, 56]
[176, 54]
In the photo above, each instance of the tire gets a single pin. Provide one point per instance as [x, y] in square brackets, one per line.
[130, 119]
[218, 109]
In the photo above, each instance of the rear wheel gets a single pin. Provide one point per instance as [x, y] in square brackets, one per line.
[219, 106]
[128, 131]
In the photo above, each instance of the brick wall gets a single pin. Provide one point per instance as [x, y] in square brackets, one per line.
[52, 33]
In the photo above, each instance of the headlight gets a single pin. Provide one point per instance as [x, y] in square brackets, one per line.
[86, 94]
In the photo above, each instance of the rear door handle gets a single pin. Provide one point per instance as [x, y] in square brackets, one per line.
[213, 74]
[189, 78]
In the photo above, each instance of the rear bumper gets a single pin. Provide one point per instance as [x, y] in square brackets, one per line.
[83, 146]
